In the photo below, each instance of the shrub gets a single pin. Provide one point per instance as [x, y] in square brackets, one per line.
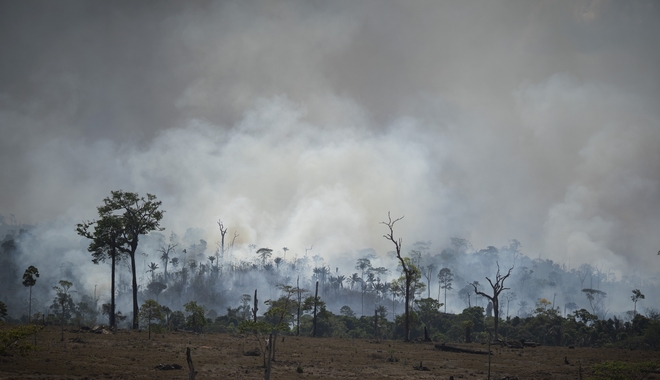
[12, 339]
[615, 370]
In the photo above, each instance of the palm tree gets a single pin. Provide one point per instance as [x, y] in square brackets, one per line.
[341, 278]
[264, 254]
[278, 261]
[152, 268]
[354, 279]
[445, 278]
[30, 279]
[165, 254]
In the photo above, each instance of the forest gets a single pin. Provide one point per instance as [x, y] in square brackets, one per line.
[457, 293]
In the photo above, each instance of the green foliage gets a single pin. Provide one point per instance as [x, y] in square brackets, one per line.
[12, 340]
[119, 234]
[30, 276]
[156, 288]
[85, 314]
[195, 318]
[428, 309]
[616, 370]
[346, 311]
[258, 327]
[281, 311]
[151, 311]
[177, 320]
[585, 316]
[62, 304]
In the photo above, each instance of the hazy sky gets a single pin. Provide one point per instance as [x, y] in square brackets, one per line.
[303, 122]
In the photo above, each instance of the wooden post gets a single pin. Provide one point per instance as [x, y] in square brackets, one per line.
[192, 373]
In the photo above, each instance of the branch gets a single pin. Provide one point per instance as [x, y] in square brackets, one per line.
[481, 293]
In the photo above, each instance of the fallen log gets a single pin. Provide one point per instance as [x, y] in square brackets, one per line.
[167, 367]
[444, 347]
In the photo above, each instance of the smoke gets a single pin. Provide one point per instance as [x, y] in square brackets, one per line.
[301, 124]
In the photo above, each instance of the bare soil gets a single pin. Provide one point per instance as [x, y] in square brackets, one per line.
[130, 355]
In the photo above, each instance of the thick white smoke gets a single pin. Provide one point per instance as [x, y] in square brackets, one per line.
[299, 124]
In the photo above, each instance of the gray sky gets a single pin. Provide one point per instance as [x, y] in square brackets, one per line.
[303, 123]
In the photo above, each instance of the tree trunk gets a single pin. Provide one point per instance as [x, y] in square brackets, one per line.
[406, 329]
[30, 306]
[274, 334]
[316, 297]
[136, 324]
[166, 260]
[496, 313]
[112, 292]
[62, 338]
[299, 301]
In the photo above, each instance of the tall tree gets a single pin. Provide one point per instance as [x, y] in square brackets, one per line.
[445, 279]
[264, 254]
[498, 287]
[596, 298]
[428, 273]
[166, 253]
[30, 279]
[63, 299]
[223, 231]
[152, 268]
[637, 295]
[363, 264]
[107, 241]
[509, 296]
[407, 271]
[139, 216]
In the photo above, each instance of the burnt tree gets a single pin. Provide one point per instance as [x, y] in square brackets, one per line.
[407, 271]
[498, 287]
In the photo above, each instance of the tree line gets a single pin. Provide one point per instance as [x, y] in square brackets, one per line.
[124, 217]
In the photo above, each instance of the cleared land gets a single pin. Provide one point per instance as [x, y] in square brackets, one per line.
[130, 355]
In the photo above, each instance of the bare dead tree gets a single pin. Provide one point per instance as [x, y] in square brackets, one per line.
[223, 231]
[316, 300]
[255, 308]
[407, 271]
[498, 287]
[233, 240]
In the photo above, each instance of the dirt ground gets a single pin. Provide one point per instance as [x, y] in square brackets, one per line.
[130, 355]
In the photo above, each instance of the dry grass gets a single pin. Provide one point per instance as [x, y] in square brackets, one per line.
[129, 355]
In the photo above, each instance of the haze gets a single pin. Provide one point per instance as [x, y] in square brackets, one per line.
[304, 123]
